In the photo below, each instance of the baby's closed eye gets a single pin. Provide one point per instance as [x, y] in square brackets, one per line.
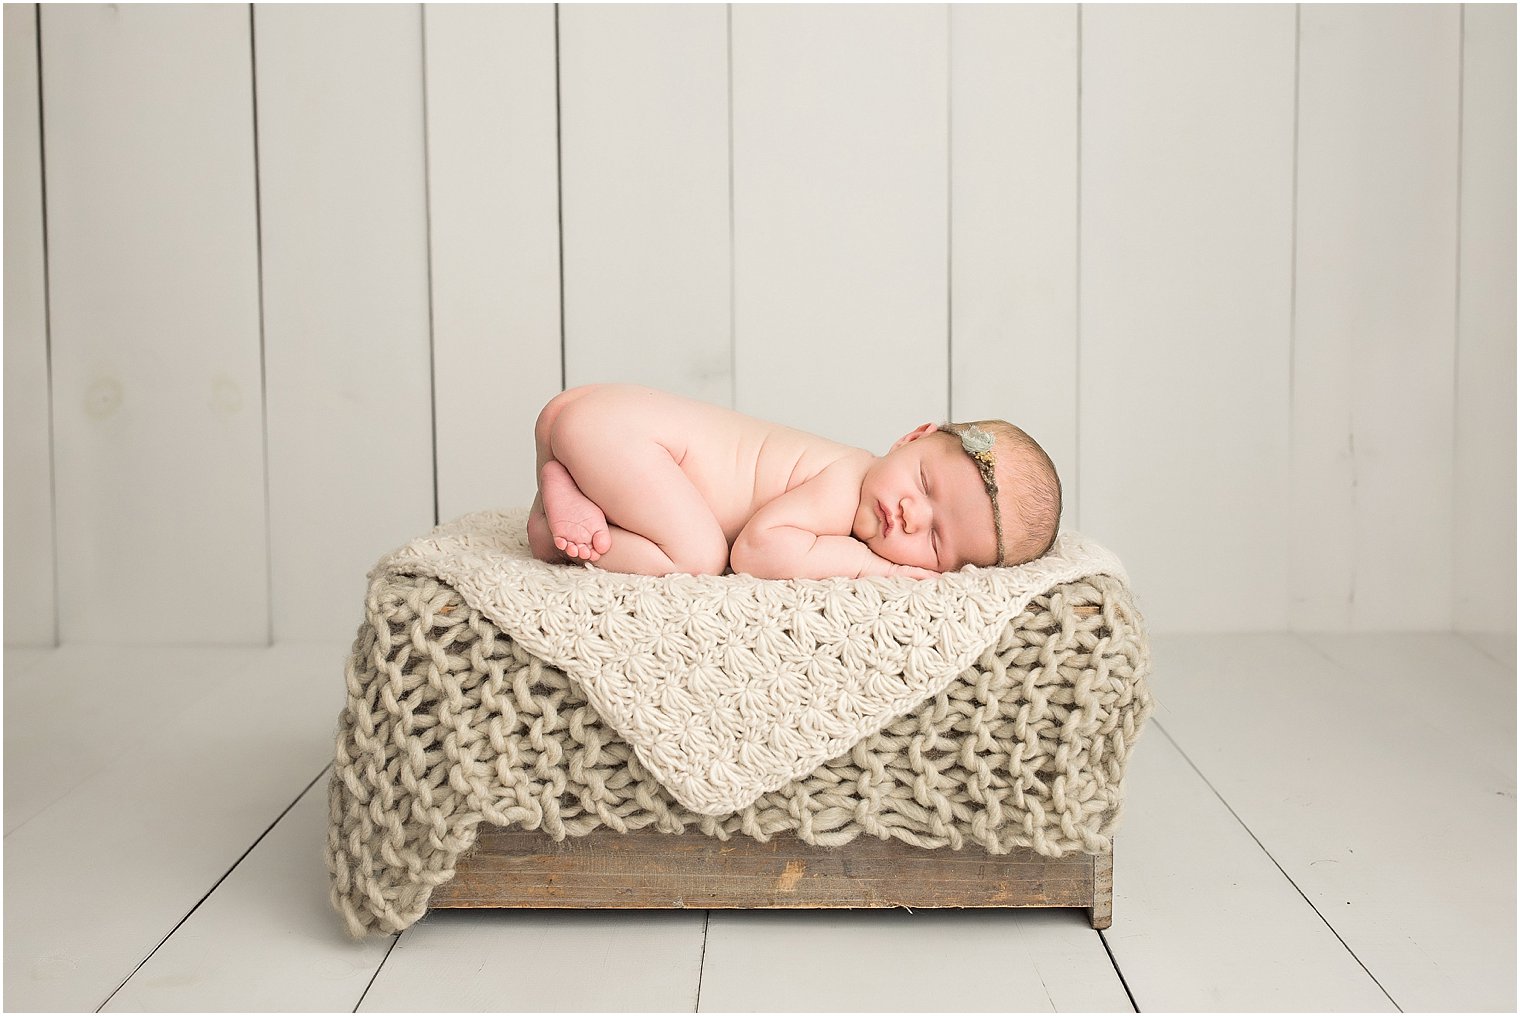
[923, 483]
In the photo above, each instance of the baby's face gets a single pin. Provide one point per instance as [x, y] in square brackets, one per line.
[924, 504]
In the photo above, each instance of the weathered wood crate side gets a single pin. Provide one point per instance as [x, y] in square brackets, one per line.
[512, 868]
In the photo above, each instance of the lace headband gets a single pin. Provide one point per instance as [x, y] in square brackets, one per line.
[978, 445]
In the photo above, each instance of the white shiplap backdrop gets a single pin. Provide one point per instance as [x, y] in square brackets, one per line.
[285, 285]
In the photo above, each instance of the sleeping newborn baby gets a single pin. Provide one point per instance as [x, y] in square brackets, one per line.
[638, 480]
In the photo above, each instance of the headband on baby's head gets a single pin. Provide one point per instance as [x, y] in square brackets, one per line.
[978, 445]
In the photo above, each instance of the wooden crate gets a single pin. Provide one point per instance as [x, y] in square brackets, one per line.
[650, 870]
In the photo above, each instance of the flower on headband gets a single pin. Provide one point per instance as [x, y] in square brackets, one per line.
[975, 439]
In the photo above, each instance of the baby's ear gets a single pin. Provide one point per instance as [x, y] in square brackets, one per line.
[913, 435]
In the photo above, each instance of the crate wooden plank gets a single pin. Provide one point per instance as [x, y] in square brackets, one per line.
[648, 869]
[270, 914]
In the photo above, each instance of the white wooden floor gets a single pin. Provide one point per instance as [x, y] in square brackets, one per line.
[1321, 822]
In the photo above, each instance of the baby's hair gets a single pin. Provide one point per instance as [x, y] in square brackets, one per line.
[1028, 479]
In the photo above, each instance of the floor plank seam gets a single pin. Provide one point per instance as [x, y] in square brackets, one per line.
[61, 795]
[1279, 867]
[1482, 650]
[702, 960]
[1123, 982]
[395, 940]
[179, 924]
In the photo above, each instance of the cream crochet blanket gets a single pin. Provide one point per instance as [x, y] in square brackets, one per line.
[728, 687]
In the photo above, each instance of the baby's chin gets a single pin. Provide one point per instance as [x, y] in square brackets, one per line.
[865, 517]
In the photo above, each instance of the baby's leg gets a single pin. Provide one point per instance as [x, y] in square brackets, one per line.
[659, 522]
[570, 526]
[577, 525]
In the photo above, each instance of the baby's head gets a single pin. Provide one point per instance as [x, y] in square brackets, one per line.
[926, 502]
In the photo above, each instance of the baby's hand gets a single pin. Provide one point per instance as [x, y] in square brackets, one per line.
[908, 571]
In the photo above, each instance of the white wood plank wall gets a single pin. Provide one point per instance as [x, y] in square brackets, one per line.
[1484, 492]
[1013, 224]
[346, 334]
[30, 614]
[840, 198]
[285, 285]
[644, 157]
[493, 199]
[1374, 350]
[153, 296]
[1187, 245]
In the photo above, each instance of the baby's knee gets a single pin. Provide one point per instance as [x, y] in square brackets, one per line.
[548, 417]
[700, 557]
[583, 429]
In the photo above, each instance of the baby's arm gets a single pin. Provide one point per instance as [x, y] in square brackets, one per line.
[805, 534]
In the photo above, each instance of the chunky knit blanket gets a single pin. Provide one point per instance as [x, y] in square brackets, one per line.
[728, 687]
[449, 723]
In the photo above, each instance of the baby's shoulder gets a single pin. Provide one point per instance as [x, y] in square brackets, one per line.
[785, 458]
[839, 461]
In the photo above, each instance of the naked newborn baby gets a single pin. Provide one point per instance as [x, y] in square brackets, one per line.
[643, 481]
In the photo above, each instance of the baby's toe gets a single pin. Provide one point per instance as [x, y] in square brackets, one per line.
[601, 542]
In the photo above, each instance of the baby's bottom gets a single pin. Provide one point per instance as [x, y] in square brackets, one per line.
[657, 520]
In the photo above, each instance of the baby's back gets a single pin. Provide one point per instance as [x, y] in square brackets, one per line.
[737, 462]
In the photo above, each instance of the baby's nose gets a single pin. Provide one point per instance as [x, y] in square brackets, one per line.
[912, 515]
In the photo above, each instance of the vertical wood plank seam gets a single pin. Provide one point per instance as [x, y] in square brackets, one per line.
[1456, 326]
[949, 213]
[427, 229]
[1350, 620]
[47, 328]
[559, 197]
[1076, 466]
[1298, 11]
[258, 243]
[733, 336]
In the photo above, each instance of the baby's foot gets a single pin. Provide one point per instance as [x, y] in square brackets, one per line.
[577, 524]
